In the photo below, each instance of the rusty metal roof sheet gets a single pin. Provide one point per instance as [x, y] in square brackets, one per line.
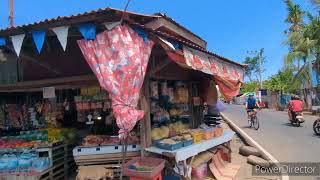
[22, 28]
[193, 45]
[71, 17]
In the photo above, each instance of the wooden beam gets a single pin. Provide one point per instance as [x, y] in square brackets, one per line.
[41, 63]
[161, 66]
[162, 22]
[68, 82]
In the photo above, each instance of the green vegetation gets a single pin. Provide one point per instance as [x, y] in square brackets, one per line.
[303, 39]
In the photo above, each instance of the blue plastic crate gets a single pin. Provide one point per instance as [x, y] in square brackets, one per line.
[170, 147]
[187, 143]
[171, 178]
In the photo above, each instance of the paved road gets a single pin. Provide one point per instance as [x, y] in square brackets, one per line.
[285, 142]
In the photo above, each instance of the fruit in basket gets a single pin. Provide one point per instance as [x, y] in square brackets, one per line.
[92, 140]
[168, 141]
[187, 136]
[177, 138]
[159, 133]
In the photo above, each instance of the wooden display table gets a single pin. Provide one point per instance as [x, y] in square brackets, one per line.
[182, 154]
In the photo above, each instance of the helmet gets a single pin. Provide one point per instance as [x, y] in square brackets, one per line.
[250, 94]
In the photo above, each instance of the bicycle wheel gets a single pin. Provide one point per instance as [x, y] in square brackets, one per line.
[250, 122]
[255, 123]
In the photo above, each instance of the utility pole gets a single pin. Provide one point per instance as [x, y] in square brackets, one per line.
[11, 14]
[260, 67]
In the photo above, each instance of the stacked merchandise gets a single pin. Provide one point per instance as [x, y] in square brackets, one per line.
[20, 154]
[2, 116]
[102, 149]
[170, 103]
[32, 115]
[90, 100]
[171, 109]
[22, 163]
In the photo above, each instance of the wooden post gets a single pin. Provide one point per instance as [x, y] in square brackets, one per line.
[147, 118]
[142, 123]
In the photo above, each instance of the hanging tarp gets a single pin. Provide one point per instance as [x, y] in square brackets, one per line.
[228, 88]
[227, 76]
[206, 63]
[119, 59]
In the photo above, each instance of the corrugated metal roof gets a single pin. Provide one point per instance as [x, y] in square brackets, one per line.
[175, 22]
[139, 17]
[76, 16]
[192, 45]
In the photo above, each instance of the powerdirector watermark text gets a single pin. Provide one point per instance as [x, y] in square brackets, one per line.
[290, 169]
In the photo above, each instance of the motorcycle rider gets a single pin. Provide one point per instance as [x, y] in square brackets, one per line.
[295, 106]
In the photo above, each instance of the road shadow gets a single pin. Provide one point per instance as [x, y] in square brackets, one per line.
[314, 135]
[246, 127]
[290, 125]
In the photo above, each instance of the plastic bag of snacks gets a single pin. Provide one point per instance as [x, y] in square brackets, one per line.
[3, 165]
[12, 162]
[200, 172]
[40, 164]
[154, 89]
[171, 94]
[182, 95]
[164, 89]
[25, 161]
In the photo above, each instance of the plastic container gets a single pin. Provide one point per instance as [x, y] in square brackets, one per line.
[12, 161]
[187, 142]
[156, 164]
[197, 137]
[40, 164]
[3, 166]
[207, 134]
[170, 147]
[218, 132]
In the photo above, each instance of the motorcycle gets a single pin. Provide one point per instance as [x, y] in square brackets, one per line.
[297, 119]
[316, 127]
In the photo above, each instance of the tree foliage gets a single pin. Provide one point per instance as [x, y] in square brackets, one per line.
[295, 16]
[251, 86]
[281, 82]
[303, 41]
[253, 64]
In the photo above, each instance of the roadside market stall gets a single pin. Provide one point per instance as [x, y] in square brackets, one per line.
[105, 69]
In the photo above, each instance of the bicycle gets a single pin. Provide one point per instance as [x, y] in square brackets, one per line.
[253, 119]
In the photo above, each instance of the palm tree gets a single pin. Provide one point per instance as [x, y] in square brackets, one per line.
[316, 2]
[295, 16]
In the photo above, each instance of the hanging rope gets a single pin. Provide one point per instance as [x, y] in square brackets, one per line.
[125, 141]
[124, 11]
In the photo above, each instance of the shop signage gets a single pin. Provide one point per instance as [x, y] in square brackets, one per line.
[49, 92]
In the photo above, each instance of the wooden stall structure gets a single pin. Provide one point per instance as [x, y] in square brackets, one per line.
[54, 67]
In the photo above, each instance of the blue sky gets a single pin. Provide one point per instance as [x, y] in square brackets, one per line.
[231, 28]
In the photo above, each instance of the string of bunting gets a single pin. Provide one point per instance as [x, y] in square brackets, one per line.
[87, 30]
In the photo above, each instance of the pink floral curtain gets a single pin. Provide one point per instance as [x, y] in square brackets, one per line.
[119, 59]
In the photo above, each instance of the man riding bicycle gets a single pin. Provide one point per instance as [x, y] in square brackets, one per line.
[251, 104]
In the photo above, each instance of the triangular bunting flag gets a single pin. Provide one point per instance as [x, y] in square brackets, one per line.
[111, 25]
[2, 41]
[38, 38]
[62, 35]
[88, 31]
[17, 42]
[168, 43]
